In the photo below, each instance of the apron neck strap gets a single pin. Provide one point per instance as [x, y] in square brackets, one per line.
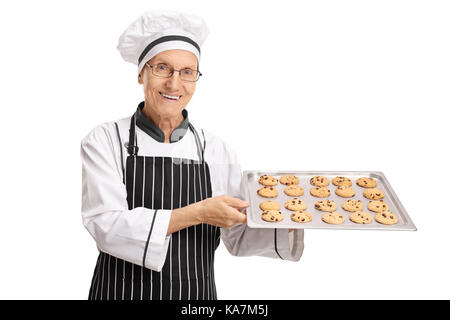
[200, 149]
[132, 147]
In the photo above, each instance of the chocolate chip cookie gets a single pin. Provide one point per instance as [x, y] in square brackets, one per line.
[373, 194]
[353, 205]
[301, 216]
[267, 180]
[319, 181]
[289, 180]
[361, 217]
[269, 205]
[342, 181]
[326, 205]
[320, 192]
[366, 182]
[268, 192]
[294, 191]
[345, 191]
[333, 218]
[295, 204]
[386, 217]
[377, 206]
[272, 215]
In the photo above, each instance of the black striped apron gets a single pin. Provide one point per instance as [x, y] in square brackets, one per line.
[188, 272]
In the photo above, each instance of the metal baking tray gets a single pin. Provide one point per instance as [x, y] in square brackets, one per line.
[254, 220]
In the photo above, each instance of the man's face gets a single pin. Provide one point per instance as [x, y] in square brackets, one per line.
[155, 87]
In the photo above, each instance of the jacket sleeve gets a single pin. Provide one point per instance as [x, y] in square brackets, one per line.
[137, 235]
[240, 240]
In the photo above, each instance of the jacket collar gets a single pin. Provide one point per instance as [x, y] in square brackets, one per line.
[155, 132]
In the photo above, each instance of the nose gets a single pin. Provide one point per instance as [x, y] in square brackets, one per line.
[174, 80]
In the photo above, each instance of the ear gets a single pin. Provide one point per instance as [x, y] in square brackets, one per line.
[140, 78]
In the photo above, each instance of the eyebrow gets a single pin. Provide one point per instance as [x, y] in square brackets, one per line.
[162, 61]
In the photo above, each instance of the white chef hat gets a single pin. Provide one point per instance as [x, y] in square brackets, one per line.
[157, 31]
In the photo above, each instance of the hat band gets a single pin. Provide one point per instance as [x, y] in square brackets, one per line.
[165, 39]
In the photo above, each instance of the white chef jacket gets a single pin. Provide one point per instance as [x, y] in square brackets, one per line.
[123, 233]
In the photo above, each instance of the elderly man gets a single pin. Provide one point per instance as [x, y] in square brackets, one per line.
[158, 194]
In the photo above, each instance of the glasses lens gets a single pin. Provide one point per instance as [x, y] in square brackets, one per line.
[161, 70]
[189, 74]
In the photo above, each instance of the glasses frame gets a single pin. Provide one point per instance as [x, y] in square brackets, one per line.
[199, 74]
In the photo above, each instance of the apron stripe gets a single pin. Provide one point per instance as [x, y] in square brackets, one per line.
[170, 242]
[203, 261]
[187, 237]
[109, 277]
[142, 284]
[157, 183]
[143, 182]
[132, 282]
[134, 181]
[195, 241]
[163, 186]
[103, 278]
[115, 278]
[128, 276]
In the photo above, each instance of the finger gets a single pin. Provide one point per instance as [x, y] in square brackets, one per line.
[239, 217]
[236, 203]
[242, 219]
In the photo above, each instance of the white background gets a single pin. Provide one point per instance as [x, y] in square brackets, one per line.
[290, 85]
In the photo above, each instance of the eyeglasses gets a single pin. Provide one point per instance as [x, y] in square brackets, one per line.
[162, 70]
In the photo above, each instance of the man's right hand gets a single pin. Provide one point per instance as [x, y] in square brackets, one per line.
[222, 211]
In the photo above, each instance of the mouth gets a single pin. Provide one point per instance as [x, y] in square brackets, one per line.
[169, 98]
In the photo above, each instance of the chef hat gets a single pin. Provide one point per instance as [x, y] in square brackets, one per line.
[158, 31]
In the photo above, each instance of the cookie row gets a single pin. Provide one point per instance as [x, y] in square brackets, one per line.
[318, 181]
[320, 192]
[296, 204]
[359, 217]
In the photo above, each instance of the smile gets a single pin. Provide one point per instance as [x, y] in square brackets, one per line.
[169, 97]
